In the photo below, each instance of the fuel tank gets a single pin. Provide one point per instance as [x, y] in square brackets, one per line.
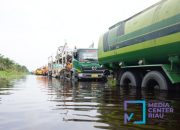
[152, 35]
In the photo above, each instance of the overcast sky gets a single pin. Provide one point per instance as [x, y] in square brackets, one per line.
[31, 30]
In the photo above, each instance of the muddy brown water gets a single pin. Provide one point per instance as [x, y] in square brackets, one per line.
[39, 103]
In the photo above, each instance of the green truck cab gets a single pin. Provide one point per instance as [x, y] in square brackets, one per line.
[85, 64]
[144, 50]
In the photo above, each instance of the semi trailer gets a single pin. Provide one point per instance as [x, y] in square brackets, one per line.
[144, 50]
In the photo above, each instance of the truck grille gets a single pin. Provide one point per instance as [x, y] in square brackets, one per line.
[92, 70]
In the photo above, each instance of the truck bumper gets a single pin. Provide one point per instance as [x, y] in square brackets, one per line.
[90, 75]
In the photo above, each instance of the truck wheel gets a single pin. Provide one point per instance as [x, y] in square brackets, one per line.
[154, 80]
[129, 79]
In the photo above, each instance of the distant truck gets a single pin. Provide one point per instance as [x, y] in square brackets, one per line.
[39, 71]
[144, 50]
[42, 71]
[85, 65]
[57, 64]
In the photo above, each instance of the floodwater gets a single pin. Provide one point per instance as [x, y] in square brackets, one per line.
[39, 103]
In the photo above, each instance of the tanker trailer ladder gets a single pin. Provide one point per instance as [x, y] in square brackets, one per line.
[173, 70]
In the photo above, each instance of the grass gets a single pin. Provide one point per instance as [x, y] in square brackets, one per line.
[10, 74]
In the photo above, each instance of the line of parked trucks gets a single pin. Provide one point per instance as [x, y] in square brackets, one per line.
[75, 64]
[142, 51]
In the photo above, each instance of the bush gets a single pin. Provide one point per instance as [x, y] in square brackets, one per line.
[7, 64]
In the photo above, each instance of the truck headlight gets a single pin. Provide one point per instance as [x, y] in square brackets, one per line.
[80, 75]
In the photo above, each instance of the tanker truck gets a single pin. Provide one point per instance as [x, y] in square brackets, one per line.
[85, 64]
[144, 50]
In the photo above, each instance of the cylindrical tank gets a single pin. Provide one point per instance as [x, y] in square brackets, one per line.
[152, 35]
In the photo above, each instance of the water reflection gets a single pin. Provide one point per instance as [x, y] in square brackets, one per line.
[97, 102]
[61, 104]
[5, 85]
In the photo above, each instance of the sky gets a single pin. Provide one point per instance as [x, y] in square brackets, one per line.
[31, 30]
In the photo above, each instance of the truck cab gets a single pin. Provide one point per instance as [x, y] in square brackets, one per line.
[85, 64]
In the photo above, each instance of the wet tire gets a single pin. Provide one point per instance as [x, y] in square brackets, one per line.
[154, 80]
[129, 79]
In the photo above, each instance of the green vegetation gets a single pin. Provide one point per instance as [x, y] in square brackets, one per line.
[10, 69]
[111, 81]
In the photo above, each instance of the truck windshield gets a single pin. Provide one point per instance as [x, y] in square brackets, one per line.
[87, 55]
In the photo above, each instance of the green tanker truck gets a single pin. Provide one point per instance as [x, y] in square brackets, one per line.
[85, 64]
[144, 50]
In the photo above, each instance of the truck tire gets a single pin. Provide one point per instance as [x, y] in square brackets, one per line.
[129, 79]
[154, 80]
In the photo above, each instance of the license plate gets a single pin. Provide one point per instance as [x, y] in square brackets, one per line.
[94, 75]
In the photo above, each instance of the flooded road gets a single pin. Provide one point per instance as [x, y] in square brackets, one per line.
[39, 103]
